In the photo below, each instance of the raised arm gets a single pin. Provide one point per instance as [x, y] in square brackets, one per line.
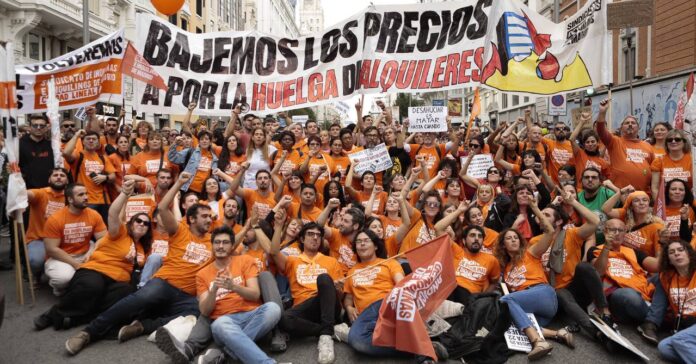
[114, 217]
[234, 185]
[591, 219]
[473, 182]
[601, 124]
[234, 119]
[278, 257]
[168, 220]
[547, 236]
[585, 119]
[186, 124]
[405, 226]
[332, 204]
[349, 181]
[71, 144]
[442, 225]
[499, 157]
[433, 181]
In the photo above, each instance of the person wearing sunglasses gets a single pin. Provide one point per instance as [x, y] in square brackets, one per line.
[36, 158]
[675, 164]
[67, 131]
[106, 277]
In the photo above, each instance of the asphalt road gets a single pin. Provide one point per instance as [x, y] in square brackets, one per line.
[19, 343]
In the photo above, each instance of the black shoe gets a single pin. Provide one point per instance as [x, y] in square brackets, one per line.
[42, 321]
[440, 351]
[175, 349]
[606, 342]
[648, 331]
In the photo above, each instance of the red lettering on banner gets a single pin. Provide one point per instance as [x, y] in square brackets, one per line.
[465, 65]
[437, 72]
[451, 69]
[424, 75]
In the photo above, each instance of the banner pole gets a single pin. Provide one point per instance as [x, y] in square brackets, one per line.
[373, 265]
[19, 280]
[26, 261]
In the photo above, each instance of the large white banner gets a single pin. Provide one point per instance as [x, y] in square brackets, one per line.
[82, 77]
[383, 49]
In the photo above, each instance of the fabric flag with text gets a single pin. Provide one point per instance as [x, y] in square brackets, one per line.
[136, 66]
[17, 199]
[681, 105]
[401, 322]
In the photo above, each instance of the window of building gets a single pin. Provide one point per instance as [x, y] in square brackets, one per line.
[184, 24]
[172, 19]
[32, 47]
[515, 100]
[199, 30]
[628, 53]
[526, 99]
[199, 8]
[94, 7]
[504, 100]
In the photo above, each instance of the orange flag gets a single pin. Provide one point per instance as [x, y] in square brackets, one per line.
[415, 298]
[475, 111]
[136, 66]
[659, 208]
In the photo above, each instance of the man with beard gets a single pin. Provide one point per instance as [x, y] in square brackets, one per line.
[560, 151]
[534, 136]
[306, 210]
[593, 195]
[43, 203]
[67, 131]
[476, 272]
[230, 212]
[110, 135]
[67, 234]
[171, 292]
[630, 157]
[262, 197]
[36, 158]
[340, 240]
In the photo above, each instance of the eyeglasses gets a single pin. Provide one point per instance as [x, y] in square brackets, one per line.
[140, 221]
[472, 145]
[674, 140]
[222, 242]
[494, 171]
[615, 230]
[38, 126]
[432, 204]
[67, 126]
[312, 234]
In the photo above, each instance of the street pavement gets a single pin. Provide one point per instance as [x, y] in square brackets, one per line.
[19, 343]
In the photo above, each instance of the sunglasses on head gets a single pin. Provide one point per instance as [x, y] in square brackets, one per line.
[140, 221]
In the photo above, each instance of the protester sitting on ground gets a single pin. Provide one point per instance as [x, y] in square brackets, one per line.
[530, 292]
[231, 310]
[43, 203]
[170, 293]
[67, 236]
[107, 276]
[623, 273]
[316, 299]
[643, 228]
[677, 196]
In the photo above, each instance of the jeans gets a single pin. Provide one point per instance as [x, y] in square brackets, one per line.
[539, 300]
[680, 347]
[152, 265]
[283, 286]
[658, 305]
[37, 256]
[360, 334]
[627, 306]
[317, 315]
[157, 303]
[586, 287]
[237, 332]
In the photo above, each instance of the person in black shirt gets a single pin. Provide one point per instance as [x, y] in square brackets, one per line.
[35, 153]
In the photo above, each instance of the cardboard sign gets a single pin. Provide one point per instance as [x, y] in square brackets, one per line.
[516, 340]
[479, 165]
[577, 112]
[81, 114]
[427, 119]
[302, 119]
[617, 338]
[627, 14]
[374, 159]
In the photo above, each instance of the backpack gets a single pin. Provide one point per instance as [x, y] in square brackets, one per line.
[477, 334]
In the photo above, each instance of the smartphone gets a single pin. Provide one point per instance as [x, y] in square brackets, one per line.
[537, 165]
[92, 175]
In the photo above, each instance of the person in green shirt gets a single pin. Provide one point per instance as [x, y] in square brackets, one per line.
[594, 194]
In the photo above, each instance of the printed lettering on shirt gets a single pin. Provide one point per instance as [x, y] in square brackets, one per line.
[675, 173]
[375, 205]
[196, 253]
[152, 166]
[262, 209]
[308, 273]
[487, 250]
[390, 230]
[160, 247]
[592, 164]
[125, 166]
[425, 235]
[52, 207]
[516, 277]
[471, 269]
[205, 164]
[76, 232]
[291, 251]
[135, 207]
[366, 277]
[672, 223]
[345, 256]
[222, 292]
[619, 268]
[287, 167]
[93, 166]
[561, 156]
[634, 240]
[232, 168]
[686, 297]
[314, 168]
[636, 155]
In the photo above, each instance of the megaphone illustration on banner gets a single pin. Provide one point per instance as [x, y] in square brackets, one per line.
[243, 106]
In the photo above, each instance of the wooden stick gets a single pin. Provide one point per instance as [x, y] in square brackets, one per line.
[609, 118]
[26, 259]
[18, 269]
[372, 266]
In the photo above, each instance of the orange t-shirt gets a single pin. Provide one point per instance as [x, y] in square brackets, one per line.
[379, 204]
[291, 249]
[339, 164]
[146, 164]
[489, 241]
[253, 197]
[306, 216]
[187, 255]
[261, 258]
[370, 285]
[624, 271]
[342, 249]
[671, 169]
[630, 162]
[113, 256]
[235, 164]
[572, 254]
[140, 203]
[44, 204]
[203, 171]
[92, 163]
[673, 219]
[240, 269]
[583, 161]
[302, 273]
[432, 159]
[560, 154]
[74, 231]
[313, 167]
[121, 167]
[474, 271]
[526, 273]
[390, 225]
[645, 239]
[160, 243]
[681, 291]
[292, 162]
[418, 234]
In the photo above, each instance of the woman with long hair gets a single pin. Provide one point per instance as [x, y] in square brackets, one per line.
[676, 163]
[106, 277]
[145, 165]
[529, 289]
[422, 228]
[334, 189]
[339, 160]
[393, 226]
[231, 156]
[642, 226]
[212, 196]
[199, 161]
[521, 216]
[121, 161]
[258, 155]
[325, 139]
[657, 137]
[675, 290]
[315, 166]
[139, 137]
[677, 195]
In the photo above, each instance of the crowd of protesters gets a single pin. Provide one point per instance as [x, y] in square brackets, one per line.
[267, 231]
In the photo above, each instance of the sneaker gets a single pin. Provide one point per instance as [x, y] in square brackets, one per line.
[42, 321]
[648, 331]
[326, 350]
[128, 332]
[279, 342]
[170, 345]
[341, 332]
[440, 351]
[76, 343]
[211, 356]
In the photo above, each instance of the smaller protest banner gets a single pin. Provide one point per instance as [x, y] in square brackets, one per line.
[479, 165]
[427, 119]
[438, 102]
[81, 114]
[374, 159]
[302, 119]
[342, 107]
[577, 112]
[516, 340]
